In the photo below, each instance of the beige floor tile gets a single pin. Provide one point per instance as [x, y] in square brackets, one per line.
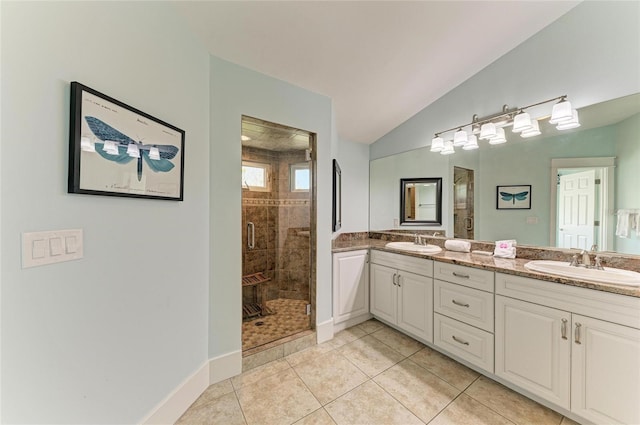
[214, 391]
[279, 399]
[510, 404]
[259, 373]
[299, 344]
[330, 376]
[369, 404]
[567, 421]
[370, 355]
[346, 336]
[423, 393]
[263, 357]
[371, 325]
[319, 417]
[401, 343]
[466, 411]
[224, 409]
[448, 369]
[309, 353]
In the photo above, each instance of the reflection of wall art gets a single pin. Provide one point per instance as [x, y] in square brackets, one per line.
[116, 150]
[513, 197]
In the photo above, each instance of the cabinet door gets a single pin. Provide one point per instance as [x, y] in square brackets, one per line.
[415, 308]
[350, 285]
[605, 372]
[533, 348]
[383, 292]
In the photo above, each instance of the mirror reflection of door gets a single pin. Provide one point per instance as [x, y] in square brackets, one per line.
[577, 209]
[463, 214]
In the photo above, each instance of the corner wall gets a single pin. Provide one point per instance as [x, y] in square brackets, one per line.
[102, 339]
[237, 91]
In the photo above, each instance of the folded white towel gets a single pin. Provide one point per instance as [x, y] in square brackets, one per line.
[457, 245]
[505, 249]
[623, 224]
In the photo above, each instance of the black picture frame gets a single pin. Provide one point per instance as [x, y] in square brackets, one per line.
[337, 196]
[405, 183]
[513, 197]
[105, 135]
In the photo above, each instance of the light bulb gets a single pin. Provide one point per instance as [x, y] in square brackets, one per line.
[533, 131]
[488, 131]
[448, 148]
[571, 123]
[500, 138]
[133, 151]
[522, 122]
[561, 111]
[472, 143]
[437, 144]
[460, 138]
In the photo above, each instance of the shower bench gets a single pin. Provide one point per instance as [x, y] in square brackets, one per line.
[258, 306]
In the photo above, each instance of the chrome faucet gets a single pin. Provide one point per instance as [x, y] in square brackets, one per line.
[586, 259]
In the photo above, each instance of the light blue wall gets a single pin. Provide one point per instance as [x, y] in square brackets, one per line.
[103, 339]
[628, 176]
[237, 91]
[524, 162]
[592, 54]
[354, 163]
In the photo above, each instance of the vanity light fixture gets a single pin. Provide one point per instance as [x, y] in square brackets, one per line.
[154, 153]
[491, 127]
[110, 147]
[87, 145]
[133, 150]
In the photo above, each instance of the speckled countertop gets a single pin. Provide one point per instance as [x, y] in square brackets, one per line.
[502, 265]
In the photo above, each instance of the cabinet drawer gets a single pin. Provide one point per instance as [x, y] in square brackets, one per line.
[421, 266]
[463, 275]
[469, 343]
[468, 305]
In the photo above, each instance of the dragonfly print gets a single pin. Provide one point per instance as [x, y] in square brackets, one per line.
[105, 132]
[522, 196]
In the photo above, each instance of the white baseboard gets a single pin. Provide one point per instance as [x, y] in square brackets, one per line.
[324, 331]
[351, 322]
[169, 410]
[225, 366]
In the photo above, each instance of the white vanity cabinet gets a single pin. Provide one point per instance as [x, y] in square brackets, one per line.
[575, 347]
[402, 292]
[350, 285]
[464, 311]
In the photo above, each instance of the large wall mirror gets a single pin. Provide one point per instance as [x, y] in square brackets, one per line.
[421, 201]
[609, 131]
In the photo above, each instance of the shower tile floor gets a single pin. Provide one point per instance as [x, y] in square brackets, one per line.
[290, 317]
[367, 374]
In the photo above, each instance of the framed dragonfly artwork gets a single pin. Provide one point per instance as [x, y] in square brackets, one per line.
[513, 197]
[117, 150]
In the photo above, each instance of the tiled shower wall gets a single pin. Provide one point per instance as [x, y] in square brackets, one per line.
[281, 219]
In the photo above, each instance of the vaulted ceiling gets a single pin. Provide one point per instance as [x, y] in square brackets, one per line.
[380, 61]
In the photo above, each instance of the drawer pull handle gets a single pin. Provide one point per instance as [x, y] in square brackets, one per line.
[462, 275]
[399, 276]
[563, 329]
[460, 304]
[577, 333]
[459, 341]
[394, 279]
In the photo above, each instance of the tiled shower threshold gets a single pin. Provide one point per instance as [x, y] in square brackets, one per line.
[277, 349]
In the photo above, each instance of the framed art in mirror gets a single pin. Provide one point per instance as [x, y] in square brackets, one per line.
[117, 150]
[337, 196]
[421, 201]
[513, 197]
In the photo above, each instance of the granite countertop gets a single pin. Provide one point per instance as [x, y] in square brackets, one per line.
[503, 265]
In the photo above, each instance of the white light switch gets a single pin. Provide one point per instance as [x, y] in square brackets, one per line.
[55, 246]
[40, 248]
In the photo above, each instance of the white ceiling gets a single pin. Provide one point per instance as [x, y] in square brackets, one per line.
[380, 61]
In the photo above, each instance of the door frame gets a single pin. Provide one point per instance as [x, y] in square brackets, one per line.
[607, 205]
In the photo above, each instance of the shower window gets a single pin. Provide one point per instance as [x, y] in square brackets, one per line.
[299, 177]
[255, 176]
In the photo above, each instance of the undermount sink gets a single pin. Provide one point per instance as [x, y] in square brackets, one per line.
[608, 275]
[410, 246]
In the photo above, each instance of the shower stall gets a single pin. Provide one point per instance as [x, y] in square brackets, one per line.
[277, 231]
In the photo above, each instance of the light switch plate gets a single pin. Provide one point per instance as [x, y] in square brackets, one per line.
[40, 248]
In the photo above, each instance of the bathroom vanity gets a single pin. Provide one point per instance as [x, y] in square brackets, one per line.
[573, 346]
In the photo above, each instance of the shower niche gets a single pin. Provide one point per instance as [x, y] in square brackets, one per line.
[277, 216]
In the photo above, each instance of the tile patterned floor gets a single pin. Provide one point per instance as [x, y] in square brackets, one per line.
[367, 374]
[290, 317]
